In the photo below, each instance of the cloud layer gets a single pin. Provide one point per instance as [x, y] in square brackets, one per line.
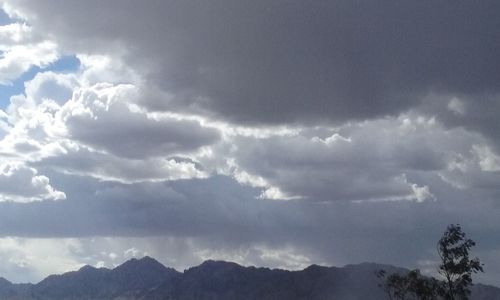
[281, 62]
[374, 125]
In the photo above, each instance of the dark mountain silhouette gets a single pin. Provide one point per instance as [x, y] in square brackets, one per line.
[124, 282]
[147, 279]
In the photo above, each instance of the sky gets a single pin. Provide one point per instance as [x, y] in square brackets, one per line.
[270, 133]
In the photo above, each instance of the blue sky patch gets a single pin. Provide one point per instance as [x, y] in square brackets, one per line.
[65, 64]
[4, 19]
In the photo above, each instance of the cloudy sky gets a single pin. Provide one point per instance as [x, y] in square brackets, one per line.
[272, 133]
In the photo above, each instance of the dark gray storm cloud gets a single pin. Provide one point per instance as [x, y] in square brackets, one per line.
[112, 126]
[282, 61]
[222, 215]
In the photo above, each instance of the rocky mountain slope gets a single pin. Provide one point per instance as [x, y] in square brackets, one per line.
[147, 279]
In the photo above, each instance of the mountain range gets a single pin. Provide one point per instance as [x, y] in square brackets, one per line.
[147, 279]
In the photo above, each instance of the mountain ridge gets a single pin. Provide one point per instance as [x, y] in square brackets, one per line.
[148, 279]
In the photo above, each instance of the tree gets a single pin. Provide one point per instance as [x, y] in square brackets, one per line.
[410, 286]
[395, 285]
[456, 267]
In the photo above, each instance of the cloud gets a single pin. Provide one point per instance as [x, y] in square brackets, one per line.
[475, 113]
[50, 86]
[184, 222]
[101, 116]
[37, 258]
[377, 122]
[97, 131]
[80, 160]
[488, 161]
[384, 159]
[21, 49]
[33, 259]
[19, 183]
[422, 193]
[276, 63]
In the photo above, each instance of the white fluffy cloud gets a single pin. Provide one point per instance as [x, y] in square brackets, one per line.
[21, 49]
[97, 130]
[19, 183]
[489, 161]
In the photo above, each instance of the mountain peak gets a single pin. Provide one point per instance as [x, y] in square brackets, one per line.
[218, 263]
[315, 267]
[87, 268]
[147, 259]
[144, 263]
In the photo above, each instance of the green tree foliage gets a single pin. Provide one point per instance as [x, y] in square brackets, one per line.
[456, 269]
[456, 266]
[411, 286]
